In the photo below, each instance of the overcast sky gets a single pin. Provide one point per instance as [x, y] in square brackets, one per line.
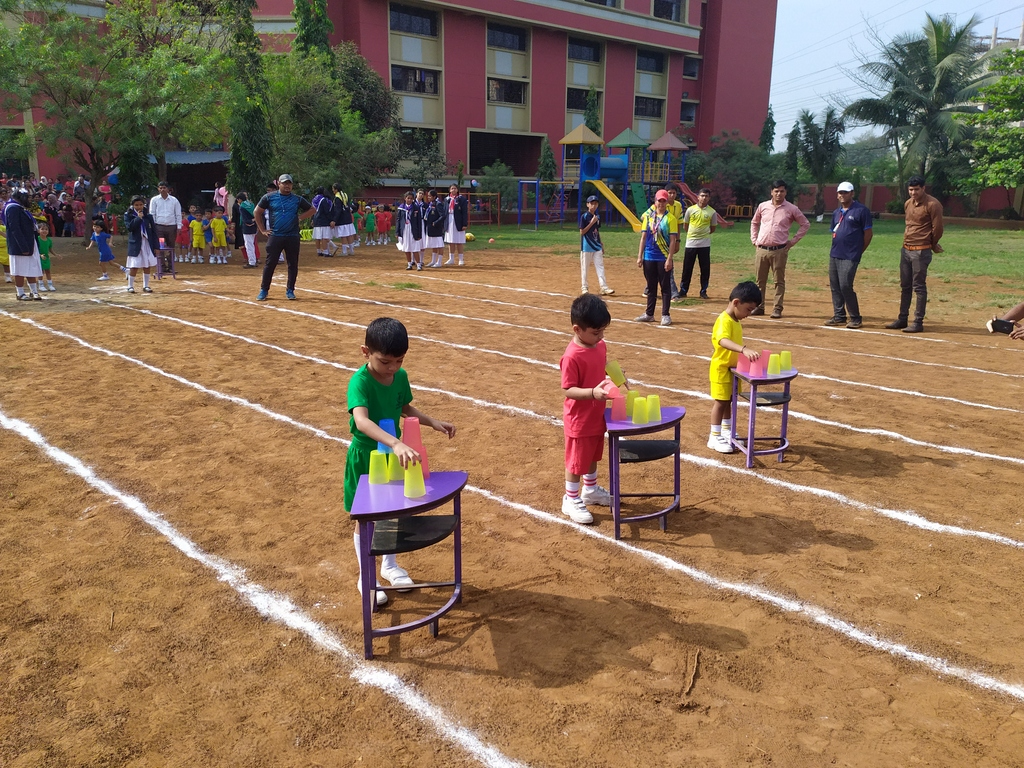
[817, 44]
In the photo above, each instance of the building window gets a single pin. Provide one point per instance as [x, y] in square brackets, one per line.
[691, 67]
[584, 50]
[605, 3]
[412, 80]
[415, 21]
[671, 10]
[650, 61]
[506, 91]
[420, 140]
[650, 108]
[687, 112]
[502, 36]
[576, 99]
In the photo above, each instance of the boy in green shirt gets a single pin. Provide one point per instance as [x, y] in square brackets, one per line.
[45, 246]
[380, 390]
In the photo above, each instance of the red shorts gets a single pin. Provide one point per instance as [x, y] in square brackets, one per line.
[582, 452]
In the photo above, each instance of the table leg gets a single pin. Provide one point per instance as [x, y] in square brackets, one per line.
[457, 543]
[750, 425]
[613, 478]
[676, 478]
[785, 421]
[367, 574]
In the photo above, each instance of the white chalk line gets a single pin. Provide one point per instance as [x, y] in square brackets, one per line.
[274, 606]
[706, 358]
[861, 331]
[787, 344]
[812, 612]
[872, 431]
[320, 361]
[908, 517]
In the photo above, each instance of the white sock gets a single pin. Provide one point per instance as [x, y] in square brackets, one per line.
[131, 282]
[20, 290]
[590, 481]
[726, 427]
[388, 561]
[50, 283]
[716, 430]
[145, 280]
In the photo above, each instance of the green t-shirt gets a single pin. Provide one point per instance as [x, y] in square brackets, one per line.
[44, 247]
[382, 402]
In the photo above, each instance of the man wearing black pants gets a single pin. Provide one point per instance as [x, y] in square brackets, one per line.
[286, 211]
[699, 221]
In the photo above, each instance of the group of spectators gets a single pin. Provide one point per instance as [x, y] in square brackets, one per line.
[62, 200]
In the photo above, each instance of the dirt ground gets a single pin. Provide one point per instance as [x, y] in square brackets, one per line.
[117, 649]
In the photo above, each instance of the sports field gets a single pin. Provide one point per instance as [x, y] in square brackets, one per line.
[179, 579]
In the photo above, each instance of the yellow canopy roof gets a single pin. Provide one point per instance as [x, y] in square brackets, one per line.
[581, 135]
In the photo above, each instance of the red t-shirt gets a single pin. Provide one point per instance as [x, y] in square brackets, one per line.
[382, 221]
[583, 367]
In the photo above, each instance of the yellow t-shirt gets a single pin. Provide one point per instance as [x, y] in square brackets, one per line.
[4, 258]
[726, 327]
[196, 228]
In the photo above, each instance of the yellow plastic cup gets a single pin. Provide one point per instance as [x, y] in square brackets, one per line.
[395, 471]
[640, 410]
[378, 468]
[631, 397]
[774, 365]
[654, 408]
[614, 371]
[786, 360]
[414, 486]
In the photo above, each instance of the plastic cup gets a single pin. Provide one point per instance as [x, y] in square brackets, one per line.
[395, 470]
[640, 410]
[388, 425]
[773, 366]
[614, 371]
[414, 486]
[756, 369]
[163, 245]
[631, 396]
[766, 354]
[619, 409]
[654, 408]
[411, 435]
[742, 364]
[612, 391]
[786, 360]
[378, 468]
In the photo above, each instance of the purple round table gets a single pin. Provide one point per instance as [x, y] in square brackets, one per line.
[640, 451]
[388, 524]
[763, 400]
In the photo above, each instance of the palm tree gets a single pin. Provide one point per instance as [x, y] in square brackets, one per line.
[820, 148]
[923, 82]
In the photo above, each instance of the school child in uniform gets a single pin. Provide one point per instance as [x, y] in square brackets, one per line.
[208, 232]
[45, 250]
[727, 341]
[410, 231]
[433, 220]
[389, 223]
[218, 237]
[323, 227]
[5, 259]
[380, 390]
[360, 225]
[370, 226]
[382, 225]
[341, 214]
[583, 381]
[184, 238]
[591, 249]
[455, 224]
[101, 238]
[142, 238]
[197, 227]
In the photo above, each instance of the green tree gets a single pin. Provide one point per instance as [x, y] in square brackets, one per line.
[820, 150]
[922, 84]
[497, 177]
[736, 164]
[313, 28]
[998, 143]
[546, 167]
[592, 119]
[767, 140]
[428, 160]
[793, 152]
[251, 141]
[369, 94]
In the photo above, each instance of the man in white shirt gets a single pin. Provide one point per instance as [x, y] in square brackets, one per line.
[166, 212]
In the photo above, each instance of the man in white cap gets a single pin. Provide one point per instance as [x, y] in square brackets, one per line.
[282, 231]
[851, 235]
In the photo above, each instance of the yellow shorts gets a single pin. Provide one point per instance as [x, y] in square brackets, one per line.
[219, 241]
[199, 242]
[721, 388]
[5, 259]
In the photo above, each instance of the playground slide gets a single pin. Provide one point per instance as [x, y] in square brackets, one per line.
[627, 214]
[639, 196]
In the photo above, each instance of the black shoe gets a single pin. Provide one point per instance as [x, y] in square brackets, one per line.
[703, 294]
[914, 328]
[776, 314]
[757, 311]
[680, 295]
[248, 266]
[854, 324]
[897, 325]
[834, 321]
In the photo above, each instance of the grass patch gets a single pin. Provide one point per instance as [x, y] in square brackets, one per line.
[371, 282]
[405, 286]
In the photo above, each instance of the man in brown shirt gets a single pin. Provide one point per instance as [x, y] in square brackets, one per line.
[920, 241]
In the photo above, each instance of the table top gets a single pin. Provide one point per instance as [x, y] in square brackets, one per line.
[373, 502]
[767, 379]
[670, 415]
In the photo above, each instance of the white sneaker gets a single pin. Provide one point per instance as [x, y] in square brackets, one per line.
[596, 495]
[645, 319]
[576, 510]
[606, 291]
[451, 260]
[462, 262]
[720, 444]
[42, 288]
[398, 576]
[103, 277]
[666, 321]
[382, 597]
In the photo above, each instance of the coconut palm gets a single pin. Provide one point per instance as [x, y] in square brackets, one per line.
[820, 148]
[923, 82]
